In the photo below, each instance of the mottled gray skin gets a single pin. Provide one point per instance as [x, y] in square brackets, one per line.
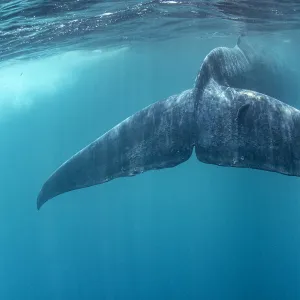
[243, 128]
[248, 67]
[225, 123]
[156, 137]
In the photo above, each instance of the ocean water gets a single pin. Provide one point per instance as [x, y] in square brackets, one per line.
[71, 70]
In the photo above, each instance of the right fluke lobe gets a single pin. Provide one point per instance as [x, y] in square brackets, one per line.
[159, 136]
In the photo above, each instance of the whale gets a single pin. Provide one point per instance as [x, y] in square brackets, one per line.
[235, 115]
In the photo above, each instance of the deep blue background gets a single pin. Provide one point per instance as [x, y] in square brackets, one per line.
[193, 232]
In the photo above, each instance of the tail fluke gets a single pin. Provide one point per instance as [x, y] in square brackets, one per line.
[232, 82]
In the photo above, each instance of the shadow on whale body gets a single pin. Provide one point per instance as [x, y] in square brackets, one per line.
[230, 117]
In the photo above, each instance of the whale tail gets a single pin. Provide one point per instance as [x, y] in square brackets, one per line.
[164, 134]
[156, 137]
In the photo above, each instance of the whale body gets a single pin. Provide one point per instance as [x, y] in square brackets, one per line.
[231, 117]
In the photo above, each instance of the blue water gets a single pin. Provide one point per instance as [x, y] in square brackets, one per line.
[196, 231]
